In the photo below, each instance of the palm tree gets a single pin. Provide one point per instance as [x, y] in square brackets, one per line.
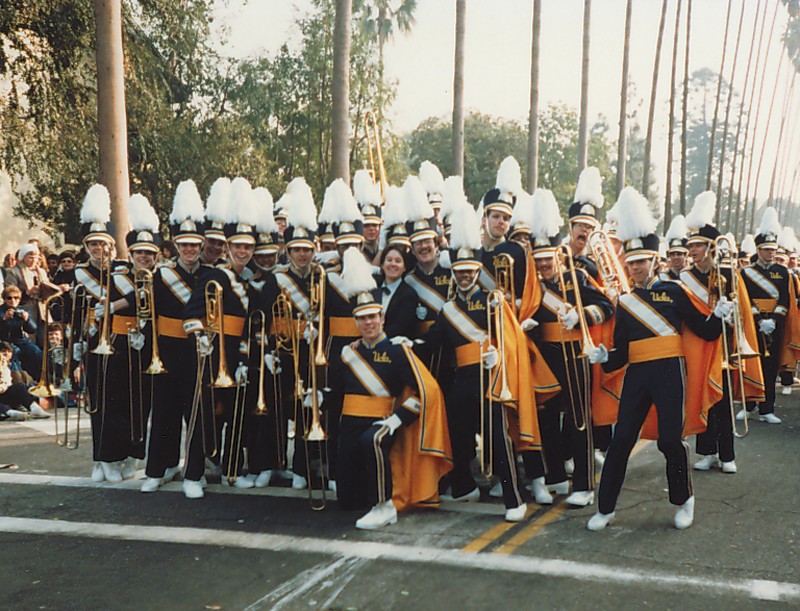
[533, 115]
[457, 164]
[380, 18]
[648, 143]
[685, 107]
[622, 149]
[583, 128]
[716, 104]
[340, 92]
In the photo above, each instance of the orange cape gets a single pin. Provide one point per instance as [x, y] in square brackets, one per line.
[421, 454]
[790, 347]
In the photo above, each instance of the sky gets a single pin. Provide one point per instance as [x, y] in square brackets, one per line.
[498, 58]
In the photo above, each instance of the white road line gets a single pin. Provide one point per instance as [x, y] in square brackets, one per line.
[289, 590]
[753, 588]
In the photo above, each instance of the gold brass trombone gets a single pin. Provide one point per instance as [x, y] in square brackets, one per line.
[376, 159]
[146, 311]
[287, 339]
[608, 264]
[104, 346]
[215, 324]
[504, 278]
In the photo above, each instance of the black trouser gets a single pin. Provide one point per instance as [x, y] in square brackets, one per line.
[718, 436]
[332, 407]
[17, 395]
[549, 462]
[662, 383]
[463, 404]
[770, 365]
[266, 432]
[111, 429]
[365, 470]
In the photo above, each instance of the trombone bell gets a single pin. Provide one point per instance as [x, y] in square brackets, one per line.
[315, 433]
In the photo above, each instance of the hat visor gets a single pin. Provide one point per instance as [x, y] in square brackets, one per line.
[584, 218]
[638, 255]
[367, 309]
[498, 207]
[188, 239]
[465, 265]
[145, 247]
[98, 235]
[241, 239]
[300, 243]
[422, 235]
[770, 245]
[544, 253]
[349, 240]
[269, 249]
[400, 241]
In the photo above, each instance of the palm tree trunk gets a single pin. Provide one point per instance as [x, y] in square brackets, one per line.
[533, 114]
[622, 146]
[648, 143]
[112, 126]
[781, 146]
[789, 161]
[340, 92]
[670, 143]
[583, 128]
[457, 164]
[716, 107]
[685, 108]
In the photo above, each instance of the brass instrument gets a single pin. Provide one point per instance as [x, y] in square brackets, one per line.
[79, 301]
[146, 311]
[587, 344]
[504, 278]
[608, 265]
[317, 299]
[374, 137]
[725, 258]
[287, 339]
[45, 388]
[104, 346]
[215, 325]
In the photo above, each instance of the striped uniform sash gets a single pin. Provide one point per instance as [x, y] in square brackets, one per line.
[176, 284]
[554, 303]
[90, 283]
[426, 294]
[336, 282]
[365, 374]
[762, 282]
[299, 300]
[465, 325]
[123, 283]
[646, 315]
[486, 280]
[691, 282]
[239, 289]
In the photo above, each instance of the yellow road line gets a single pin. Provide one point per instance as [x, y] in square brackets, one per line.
[496, 532]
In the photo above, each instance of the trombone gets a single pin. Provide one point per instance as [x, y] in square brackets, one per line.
[215, 325]
[504, 278]
[146, 311]
[376, 159]
[287, 339]
[608, 264]
[104, 346]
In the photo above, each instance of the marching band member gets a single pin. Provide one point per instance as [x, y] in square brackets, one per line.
[213, 249]
[368, 196]
[398, 300]
[239, 214]
[520, 226]
[559, 335]
[173, 390]
[475, 402]
[647, 337]
[395, 217]
[393, 444]
[583, 218]
[747, 251]
[676, 248]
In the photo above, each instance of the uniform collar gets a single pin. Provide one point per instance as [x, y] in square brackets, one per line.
[191, 269]
[380, 338]
[493, 245]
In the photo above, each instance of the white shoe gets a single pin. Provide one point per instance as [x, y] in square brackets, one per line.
[705, 463]
[243, 481]
[16, 414]
[496, 491]
[332, 485]
[559, 488]
[540, 493]
[151, 484]
[473, 495]
[569, 466]
[97, 473]
[38, 412]
[128, 468]
[516, 514]
[170, 473]
[299, 482]
[378, 517]
[786, 390]
[600, 520]
[599, 458]
[192, 489]
[111, 471]
[729, 467]
[264, 478]
[582, 498]
[771, 418]
[685, 515]
[741, 414]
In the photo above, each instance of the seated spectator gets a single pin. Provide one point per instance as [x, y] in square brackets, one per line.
[15, 324]
[14, 394]
[64, 279]
[6, 413]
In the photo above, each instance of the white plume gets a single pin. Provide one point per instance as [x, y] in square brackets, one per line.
[770, 222]
[187, 203]
[787, 239]
[509, 176]
[339, 204]
[465, 228]
[749, 244]
[416, 199]
[244, 207]
[356, 273]
[523, 209]
[431, 177]
[702, 213]
[635, 218]
[218, 200]
[677, 228]
[394, 210]
[366, 191]
[301, 210]
[589, 189]
[265, 222]
[452, 195]
[547, 220]
[141, 215]
[96, 206]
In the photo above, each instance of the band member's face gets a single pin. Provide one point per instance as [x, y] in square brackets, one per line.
[241, 254]
[698, 251]
[143, 259]
[546, 266]
[579, 235]
[300, 256]
[327, 246]
[792, 262]
[370, 326]
[371, 232]
[266, 261]
[523, 240]
[340, 249]
[424, 250]
[465, 278]
[781, 259]
[393, 266]
[96, 248]
[281, 223]
[188, 252]
[677, 260]
[766, 254]
[497, 223]
[640, 270]
[213, 249]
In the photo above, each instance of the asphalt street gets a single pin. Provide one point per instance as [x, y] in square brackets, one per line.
[68, 543]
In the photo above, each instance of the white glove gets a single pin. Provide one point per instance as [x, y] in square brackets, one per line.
[204, 346]
[308, 400]
[570, 319]
[78, 350]
[100, 309]
[723, 309]
[598, 354]
[241, 374]
[495, 301]
[310, 334]
[273, 363]
[490, 358]
[422, 312]
[393, 422]
[767, 326]
[400, 340]
[529, 324]
[136, 340]
[612, 295]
